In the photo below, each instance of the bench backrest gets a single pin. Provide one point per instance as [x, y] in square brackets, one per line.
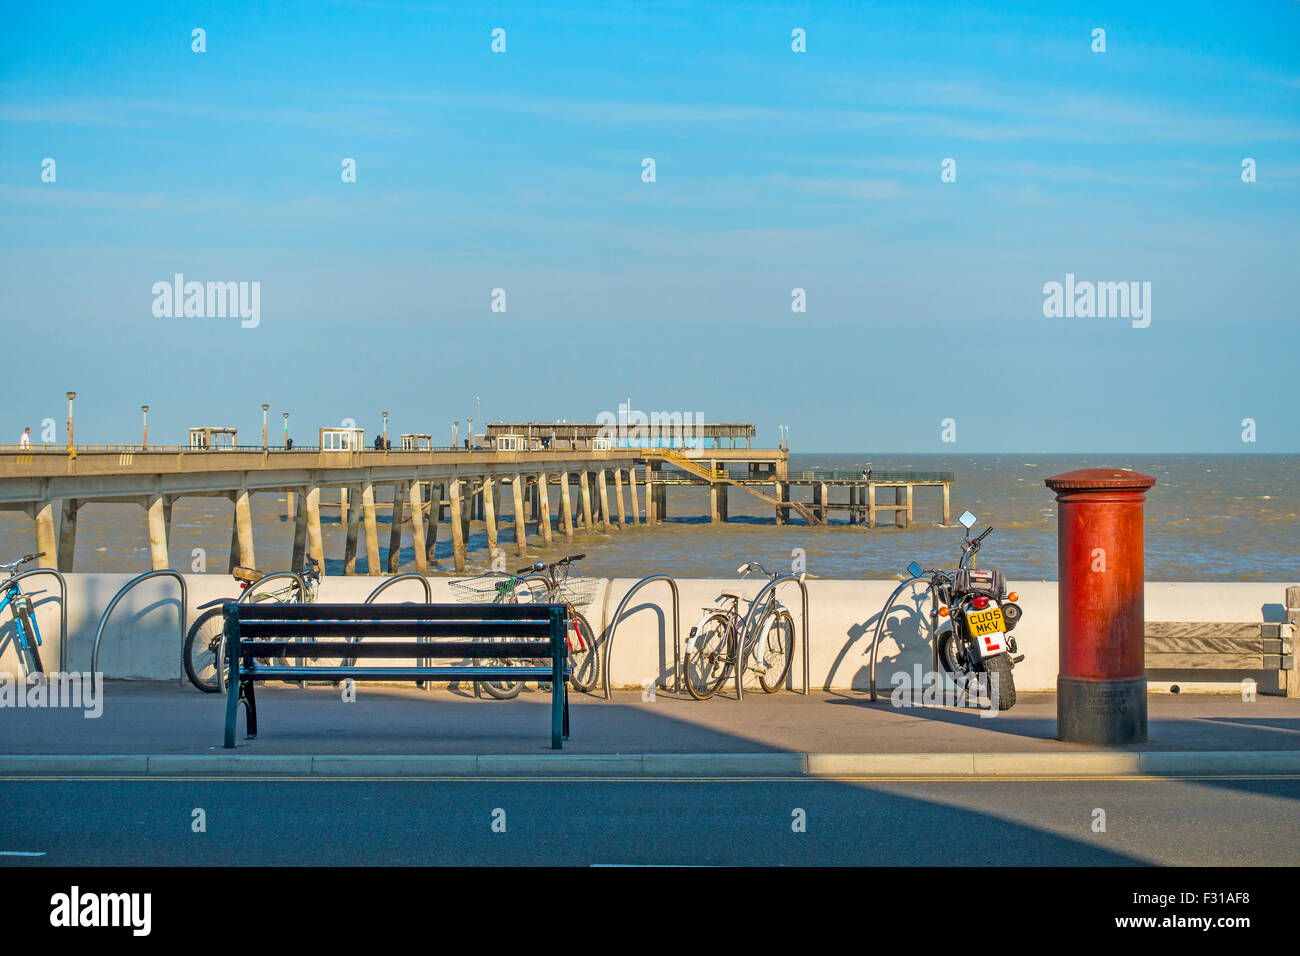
[529, 631]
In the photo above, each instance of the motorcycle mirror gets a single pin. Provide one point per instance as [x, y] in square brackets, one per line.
[967, 520]
[915, 570]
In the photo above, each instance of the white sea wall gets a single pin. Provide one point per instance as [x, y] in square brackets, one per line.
[143, 637]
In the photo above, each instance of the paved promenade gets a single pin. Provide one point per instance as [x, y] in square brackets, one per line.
[156, 718]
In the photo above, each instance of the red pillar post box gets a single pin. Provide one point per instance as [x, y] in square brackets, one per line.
[1101, 689]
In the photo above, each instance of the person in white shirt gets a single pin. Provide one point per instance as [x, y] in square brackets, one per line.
[26, 440]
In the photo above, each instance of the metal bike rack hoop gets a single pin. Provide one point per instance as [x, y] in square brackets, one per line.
[161, 573]
[63, 610]
[677, 630]
[428, 599]
[749, 622]
[880, 624]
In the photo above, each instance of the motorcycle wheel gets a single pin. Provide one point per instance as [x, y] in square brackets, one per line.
[999, 669]
[952, 655]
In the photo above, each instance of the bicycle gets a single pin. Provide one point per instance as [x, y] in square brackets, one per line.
[20, 605]
[205, 642]
[562, 584]
[711, 647]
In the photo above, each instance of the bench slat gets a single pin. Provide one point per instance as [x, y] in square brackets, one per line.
[253, 630]
[402, 649]
[398, 673]
[269, 611]
[1225, 662]
[1232, 630]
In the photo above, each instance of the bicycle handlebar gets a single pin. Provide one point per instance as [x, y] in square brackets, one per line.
[539, 566]
[24, 560]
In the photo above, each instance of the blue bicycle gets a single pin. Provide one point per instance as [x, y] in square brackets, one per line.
[20, 605]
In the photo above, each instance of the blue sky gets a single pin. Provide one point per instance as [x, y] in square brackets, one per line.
[775, 170]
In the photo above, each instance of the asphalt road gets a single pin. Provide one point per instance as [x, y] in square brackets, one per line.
[1218, 821]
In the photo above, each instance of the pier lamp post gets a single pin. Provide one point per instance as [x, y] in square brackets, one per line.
[286, 429]
[71, 396]
[455, 434]
[385, 414]
[264, 408]
[144, 438]
[469, 435]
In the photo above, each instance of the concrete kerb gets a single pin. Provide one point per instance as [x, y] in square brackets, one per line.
[937, 765]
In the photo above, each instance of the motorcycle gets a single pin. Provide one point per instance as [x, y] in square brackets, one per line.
[977, 616]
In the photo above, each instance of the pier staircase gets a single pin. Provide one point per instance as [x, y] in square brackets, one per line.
[720, 476]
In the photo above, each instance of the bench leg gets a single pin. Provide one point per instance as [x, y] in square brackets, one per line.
[250, 702]
[232, 710]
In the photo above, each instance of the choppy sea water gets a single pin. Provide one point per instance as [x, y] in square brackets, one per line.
[1213, 517]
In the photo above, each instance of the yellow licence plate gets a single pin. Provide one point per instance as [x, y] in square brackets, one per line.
[986, 622]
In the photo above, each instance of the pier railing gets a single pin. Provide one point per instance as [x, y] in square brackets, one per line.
[879, 477]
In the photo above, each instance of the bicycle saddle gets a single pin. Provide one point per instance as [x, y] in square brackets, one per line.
[733, 594]
[250, 575]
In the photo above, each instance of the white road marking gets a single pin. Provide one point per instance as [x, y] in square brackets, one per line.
[19, 853]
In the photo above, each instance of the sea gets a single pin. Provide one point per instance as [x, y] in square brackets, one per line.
[1208, 518]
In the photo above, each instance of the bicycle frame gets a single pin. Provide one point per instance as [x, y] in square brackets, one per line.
[13, 593]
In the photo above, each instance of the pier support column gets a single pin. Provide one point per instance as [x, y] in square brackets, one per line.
[290, 511]
[619, 511]
[299, 516]
[464, 514]
[602, 483]
[416, 502]
[871, 506]
[350, 512]
[43, 514]
[631, 487]
[157, 533]
[490, 514]
[372, 528]
[244, 528]
[315, 545]
[717, 502]
[436, 493]
[395, 530]
[818, 502]
[782, 494]
[68, 533]
[521, 529]
[909, 507]
[900, 515]
[661, 502]
[566, 507]
[457, 526]
[853, 505]
[946, 512]
[544, 507]
[584, 485]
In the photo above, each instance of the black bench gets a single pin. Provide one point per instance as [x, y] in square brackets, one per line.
[259, 635]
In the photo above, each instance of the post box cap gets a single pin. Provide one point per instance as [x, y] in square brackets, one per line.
[1100, 479]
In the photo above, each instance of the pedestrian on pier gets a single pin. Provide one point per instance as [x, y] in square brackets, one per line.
[26, 440]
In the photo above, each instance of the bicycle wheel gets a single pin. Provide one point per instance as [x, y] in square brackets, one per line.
[584, 653]
[501, 689]
[203, 646]
[778, 632]
[710, 659]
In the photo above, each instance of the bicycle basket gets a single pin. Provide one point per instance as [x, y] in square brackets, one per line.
[577, 591]
[485, 589]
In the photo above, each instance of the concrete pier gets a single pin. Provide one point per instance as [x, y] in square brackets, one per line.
[521, 529]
